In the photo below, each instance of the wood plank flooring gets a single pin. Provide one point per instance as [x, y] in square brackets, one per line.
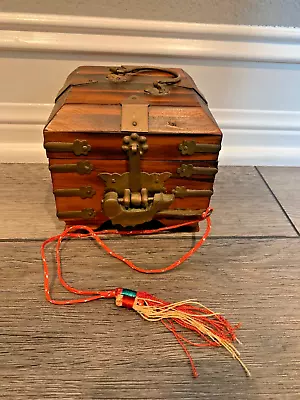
[249, 270]
[285, 184]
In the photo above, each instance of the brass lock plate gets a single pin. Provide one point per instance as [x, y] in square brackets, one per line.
[134, 117]
[134, 197]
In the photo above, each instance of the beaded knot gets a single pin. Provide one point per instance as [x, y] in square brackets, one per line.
[126, 298]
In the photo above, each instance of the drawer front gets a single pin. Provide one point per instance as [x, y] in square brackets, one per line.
[77, 194]
[109, 146]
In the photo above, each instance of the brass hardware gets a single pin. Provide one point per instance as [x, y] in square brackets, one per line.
[187, 170]
[78, 147]
[86, 213]
[123, 74]
[82, 167]
[144, 197]
[134, 197]
[120, 182]
[178, 213]
[189, 147]
[182, 191]
[134, 216]
[84, 192]
[118, 75]
[134, 115]
[135, 145]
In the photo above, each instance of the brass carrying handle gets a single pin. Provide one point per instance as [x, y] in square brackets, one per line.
[159, 87]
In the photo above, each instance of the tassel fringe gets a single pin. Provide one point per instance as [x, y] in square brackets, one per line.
[212, 328]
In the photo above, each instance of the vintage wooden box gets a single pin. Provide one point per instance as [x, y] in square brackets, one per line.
[131, 145]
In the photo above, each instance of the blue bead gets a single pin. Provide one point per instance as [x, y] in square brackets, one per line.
[128, 292]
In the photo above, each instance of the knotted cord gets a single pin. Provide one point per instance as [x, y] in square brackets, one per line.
[211, 327]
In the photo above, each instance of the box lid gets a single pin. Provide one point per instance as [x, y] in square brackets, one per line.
[94, 99]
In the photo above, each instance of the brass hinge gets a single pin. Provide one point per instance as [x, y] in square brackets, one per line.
[78, 147]
[187, 170]
[86, 213]
[182, 191]
[82, 167]
[84, 192]
[190, 147]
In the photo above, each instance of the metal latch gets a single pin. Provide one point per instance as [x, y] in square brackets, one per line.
[134, 197]
[82, 167]
[187, 170]
[78, 147]
[189, 147]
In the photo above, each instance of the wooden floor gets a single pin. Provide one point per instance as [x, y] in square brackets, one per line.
[249, 270]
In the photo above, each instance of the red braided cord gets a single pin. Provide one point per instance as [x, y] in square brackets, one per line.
[95, 295]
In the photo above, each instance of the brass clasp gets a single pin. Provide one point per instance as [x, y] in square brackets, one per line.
[134, 197]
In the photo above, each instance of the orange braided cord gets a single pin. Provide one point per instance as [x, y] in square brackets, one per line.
[95, 295]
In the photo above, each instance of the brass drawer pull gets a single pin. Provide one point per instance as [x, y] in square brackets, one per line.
[182, 191]
[179, 213]
[86, 213]
[78, 147]
[84, 192]
[82, 167]
[189, 147]
[187, 170]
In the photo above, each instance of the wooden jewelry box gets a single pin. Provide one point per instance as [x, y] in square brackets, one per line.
[131, 145]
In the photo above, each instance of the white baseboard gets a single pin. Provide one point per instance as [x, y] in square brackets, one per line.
[251, 137]
[37, 114]
[250, 75]
[69, 34]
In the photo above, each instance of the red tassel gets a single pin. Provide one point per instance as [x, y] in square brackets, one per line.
[212, 328]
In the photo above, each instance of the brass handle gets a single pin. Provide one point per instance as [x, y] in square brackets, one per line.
[78, 147]
[187, 170]
[159, 87]
[86, 213]
[84, 192]
[182, 191]
[189, 147]
[82, 167]
[180, 214]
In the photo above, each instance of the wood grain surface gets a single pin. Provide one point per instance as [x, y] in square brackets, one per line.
[244, 206]
[101, 90]
[97, 118]
[109, 147]
[98, 351]
[285, 184]
[74, 180]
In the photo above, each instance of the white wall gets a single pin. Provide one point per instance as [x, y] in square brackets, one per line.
[250, 75]
[242, 12]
